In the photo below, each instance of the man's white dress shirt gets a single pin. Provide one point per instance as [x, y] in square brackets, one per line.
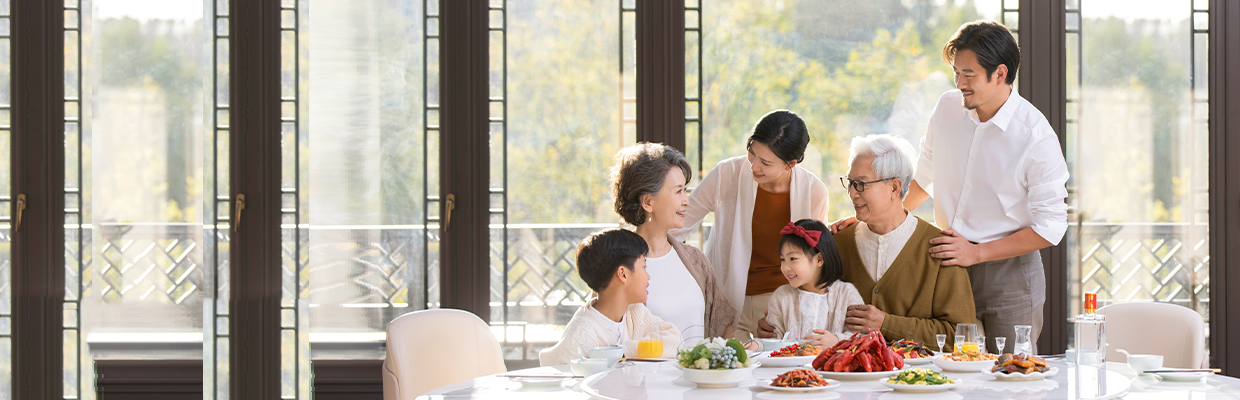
[991, 179]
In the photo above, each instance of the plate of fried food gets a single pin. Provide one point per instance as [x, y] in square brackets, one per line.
[914, 353]
[798, 380]
[1020, 367]
[860, 357]
[965, 361]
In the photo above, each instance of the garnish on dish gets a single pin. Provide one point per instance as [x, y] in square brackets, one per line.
[919, 376]
[910, 349]
[797, 350]
[799, 378]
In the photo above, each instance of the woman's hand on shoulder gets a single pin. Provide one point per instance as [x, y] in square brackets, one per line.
[842, 223]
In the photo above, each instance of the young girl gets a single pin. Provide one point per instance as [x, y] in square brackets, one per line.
[813, 304]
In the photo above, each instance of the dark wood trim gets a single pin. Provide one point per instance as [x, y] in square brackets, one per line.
[348, 379]
[1042, 79]
[1224, 185]
[38, 160]
[661, 72]
[254, 160]
[465, 152]
[148, 379]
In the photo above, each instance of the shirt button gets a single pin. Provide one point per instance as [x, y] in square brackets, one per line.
[876, 291]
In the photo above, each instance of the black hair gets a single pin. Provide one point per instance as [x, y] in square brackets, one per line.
[832, 266]
[784, 132]
[640, 170]
[992, 42]
[601, 253]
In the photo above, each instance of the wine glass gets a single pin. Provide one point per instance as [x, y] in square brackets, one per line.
[959, 342]
[981, 343]
[1001, 342]
[942, 339]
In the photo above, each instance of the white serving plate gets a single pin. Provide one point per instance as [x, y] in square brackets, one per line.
[1020, 377]
[921, 388]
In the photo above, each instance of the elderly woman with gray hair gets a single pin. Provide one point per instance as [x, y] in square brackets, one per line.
[648, 185]
[906, 293]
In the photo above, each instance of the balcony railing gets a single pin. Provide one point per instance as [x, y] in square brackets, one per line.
[363, 276]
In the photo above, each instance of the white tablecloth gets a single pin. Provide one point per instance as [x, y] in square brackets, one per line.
[664, 382]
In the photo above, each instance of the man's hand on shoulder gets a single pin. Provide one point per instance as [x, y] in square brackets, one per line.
[955, 250]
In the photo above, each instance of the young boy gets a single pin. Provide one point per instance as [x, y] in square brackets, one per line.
[613, 263]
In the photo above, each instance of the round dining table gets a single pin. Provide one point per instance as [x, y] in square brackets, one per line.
[664, 381]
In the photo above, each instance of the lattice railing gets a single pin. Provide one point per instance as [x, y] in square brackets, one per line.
[384, 266]
[1163, 262]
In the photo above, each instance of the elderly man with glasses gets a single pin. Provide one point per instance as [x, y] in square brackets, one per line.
[907, 294]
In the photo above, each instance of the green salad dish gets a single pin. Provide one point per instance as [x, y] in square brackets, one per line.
[714, 354]
[920, 376]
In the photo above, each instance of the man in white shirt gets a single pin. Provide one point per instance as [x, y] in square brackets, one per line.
[995, 169]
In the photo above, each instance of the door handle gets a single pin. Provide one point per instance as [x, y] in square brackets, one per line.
[240, 205]
[448, 217]
[21, 206]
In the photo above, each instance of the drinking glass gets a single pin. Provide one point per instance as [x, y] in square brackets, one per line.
[650, 347]
[942, 339]
[981, 343]
[1001, 343]
[969, 340]
[958, 343]
[1023, 344]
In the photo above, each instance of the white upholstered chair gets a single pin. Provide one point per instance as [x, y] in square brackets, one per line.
[1175, 332]
[432, 348]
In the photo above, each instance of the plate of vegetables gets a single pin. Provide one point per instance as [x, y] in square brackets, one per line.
[790, 356]
[914, 353]
[860, 357]
[798, 380]
[716, 363]
[920, 380]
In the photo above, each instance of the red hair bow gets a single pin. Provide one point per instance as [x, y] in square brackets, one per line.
[810, 237]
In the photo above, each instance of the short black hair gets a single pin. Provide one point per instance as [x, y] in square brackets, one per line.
[992, 42]
[832, 266]
[602, 252]
[784, 132]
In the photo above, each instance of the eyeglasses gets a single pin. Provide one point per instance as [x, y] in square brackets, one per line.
[859, 186]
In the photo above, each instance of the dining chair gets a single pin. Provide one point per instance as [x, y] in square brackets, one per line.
[432, 348]
[1175, 332]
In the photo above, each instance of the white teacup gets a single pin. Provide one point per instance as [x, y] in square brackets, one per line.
[612, 354]
[769, 345]
[587, 367]
[1144, 362]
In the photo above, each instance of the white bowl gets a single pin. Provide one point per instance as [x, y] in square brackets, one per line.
[718, 378]
[766, 359]
[587, 367]
[963, 366]
[1144, 362]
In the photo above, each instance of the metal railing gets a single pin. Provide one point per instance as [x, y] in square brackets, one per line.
[380, 269]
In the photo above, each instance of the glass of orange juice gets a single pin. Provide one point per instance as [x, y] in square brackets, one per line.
[650, 347]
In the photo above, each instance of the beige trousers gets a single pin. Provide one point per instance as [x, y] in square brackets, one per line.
[753, 310]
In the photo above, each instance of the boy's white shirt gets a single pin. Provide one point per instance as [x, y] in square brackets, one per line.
[589, 329]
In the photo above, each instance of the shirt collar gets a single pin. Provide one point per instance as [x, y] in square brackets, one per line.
[1004, 116]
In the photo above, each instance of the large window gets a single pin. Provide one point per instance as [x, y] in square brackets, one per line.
[1137, 151]
[556, 91]
[848, 69]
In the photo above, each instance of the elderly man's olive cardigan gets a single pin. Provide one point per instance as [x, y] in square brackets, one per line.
[921, 298]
